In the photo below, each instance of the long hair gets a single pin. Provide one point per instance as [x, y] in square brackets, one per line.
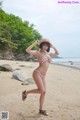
[43, 43]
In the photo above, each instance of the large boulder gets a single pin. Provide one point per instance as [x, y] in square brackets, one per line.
[25, 81]
[18, 76]
[5, 67]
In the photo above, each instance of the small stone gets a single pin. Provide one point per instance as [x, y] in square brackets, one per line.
[25, 83]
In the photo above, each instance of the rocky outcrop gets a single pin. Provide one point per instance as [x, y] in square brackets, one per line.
[9, 55]
[25, 57]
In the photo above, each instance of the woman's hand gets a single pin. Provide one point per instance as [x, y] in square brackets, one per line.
[37, 42]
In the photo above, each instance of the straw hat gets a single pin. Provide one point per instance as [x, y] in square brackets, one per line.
[45, 40]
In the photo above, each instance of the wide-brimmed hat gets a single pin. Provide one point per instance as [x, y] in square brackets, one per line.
[45, 40]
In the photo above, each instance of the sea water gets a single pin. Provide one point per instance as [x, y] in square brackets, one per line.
[72, 62]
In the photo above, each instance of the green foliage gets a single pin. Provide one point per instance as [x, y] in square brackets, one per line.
[5, 37]
[16, 34]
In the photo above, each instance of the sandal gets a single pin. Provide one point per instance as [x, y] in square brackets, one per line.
[43, 112]
[24, 95]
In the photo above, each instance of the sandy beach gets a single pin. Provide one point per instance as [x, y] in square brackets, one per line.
[62, 100]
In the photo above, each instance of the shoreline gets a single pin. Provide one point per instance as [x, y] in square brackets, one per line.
[70, 66]
[68, 62]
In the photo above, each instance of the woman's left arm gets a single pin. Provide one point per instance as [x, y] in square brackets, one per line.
[55, 53]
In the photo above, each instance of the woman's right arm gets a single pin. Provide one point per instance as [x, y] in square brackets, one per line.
[29, 49]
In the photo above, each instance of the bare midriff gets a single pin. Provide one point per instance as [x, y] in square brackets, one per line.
[43, 68]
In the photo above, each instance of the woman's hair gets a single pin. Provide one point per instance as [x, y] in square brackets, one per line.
[45, 43]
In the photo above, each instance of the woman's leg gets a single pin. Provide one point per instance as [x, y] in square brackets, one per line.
[42, 96]
[39, 83]
[41, 87]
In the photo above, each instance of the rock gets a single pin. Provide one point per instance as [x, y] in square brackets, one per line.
[18, 76]
[25, 83]
[22, 65]
[1, 55]
[71, 63]
[25, 57]
[21, 56]
[6, 54]
[31, 58]
[30, 80]
[5, 67]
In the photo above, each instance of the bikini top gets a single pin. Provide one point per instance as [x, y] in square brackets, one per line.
[44, 58]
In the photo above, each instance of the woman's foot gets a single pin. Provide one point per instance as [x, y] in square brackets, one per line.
[24, 95]
[43, 112]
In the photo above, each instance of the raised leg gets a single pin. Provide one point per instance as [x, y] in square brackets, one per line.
[41, 88]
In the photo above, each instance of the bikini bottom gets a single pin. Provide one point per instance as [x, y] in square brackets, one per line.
[41, 74]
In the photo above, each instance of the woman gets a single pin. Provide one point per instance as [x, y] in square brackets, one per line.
[44, 58]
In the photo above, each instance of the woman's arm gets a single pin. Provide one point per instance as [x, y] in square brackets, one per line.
[55, 53]
[29, 49]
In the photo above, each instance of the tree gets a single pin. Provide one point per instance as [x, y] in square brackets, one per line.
[5, 37]
[15, 33]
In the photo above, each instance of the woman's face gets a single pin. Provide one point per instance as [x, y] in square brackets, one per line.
[44, 47]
